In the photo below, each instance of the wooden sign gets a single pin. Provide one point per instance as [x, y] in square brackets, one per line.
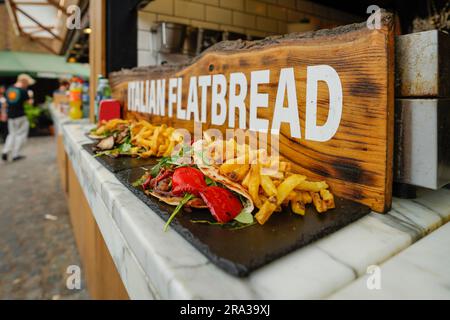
[328, 95]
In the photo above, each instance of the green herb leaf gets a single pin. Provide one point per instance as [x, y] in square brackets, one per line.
[183, 201]
[210, 182]
[245, 218]
[105, 153]
[139, 181]
[238, 226]
[208, 222]
[125, 147]
[155, 170]
[233, 225]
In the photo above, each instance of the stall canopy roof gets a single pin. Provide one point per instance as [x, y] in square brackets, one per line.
[37, 18]
[39, 65]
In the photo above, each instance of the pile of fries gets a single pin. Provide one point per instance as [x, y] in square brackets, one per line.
[142, 139]
[152, 141]
[268, 179]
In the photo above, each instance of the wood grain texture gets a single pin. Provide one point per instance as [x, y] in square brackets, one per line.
[97, 55]
[61, 159]
[357, 161]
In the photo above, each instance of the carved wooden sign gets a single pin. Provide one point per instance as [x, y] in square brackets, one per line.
[327, 95]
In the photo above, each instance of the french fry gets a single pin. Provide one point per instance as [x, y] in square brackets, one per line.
[100, 131]
[328, 198]
[298, 207]
[169, 149]
[228, 167]
[254, 183]
[312, 186]
[263, 198]
[154, 140]
[268, 186]
[114, 123]
[273, 174]
[292, 196]
[246, 179]
[318, 203]
[276, 182]
[287, 186]
[235, 172]
[266, 210]
[143, 143]
[306, 197]
[239, 174]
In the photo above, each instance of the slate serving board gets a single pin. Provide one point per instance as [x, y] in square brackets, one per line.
[121, 163]
[239, 252]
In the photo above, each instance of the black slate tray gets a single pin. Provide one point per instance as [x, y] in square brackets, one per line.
[121, 163]
[239, 252]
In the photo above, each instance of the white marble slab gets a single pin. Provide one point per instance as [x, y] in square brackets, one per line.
[308, 273]
[365, 242]
[422, 271]
[163, 265]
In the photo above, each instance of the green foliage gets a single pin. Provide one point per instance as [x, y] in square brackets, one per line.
[35, 114]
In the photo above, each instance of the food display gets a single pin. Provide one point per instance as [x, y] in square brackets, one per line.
[267, 180]
[136, 139]
[231, 180]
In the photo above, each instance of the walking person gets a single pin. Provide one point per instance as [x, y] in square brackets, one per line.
[18, 125]
[3, 115]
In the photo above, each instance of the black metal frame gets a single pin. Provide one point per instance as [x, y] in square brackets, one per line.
[121, 34]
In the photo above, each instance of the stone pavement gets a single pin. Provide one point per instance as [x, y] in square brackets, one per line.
[36, 239]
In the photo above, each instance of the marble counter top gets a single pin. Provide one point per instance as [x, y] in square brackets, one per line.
[422, 271]
[158, 265]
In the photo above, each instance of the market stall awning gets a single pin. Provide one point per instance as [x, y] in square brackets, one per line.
[39, 65]
[41, 21]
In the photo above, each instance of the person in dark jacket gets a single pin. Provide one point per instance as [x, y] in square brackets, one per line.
[3, 115]
[18, 125]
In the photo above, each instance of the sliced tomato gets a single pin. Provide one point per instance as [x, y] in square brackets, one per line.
[188, 180]
[223, 204]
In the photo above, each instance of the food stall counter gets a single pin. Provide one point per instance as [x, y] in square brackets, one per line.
[153, 264]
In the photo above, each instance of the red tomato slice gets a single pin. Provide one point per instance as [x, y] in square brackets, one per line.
[223, 204]
[188, 180]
